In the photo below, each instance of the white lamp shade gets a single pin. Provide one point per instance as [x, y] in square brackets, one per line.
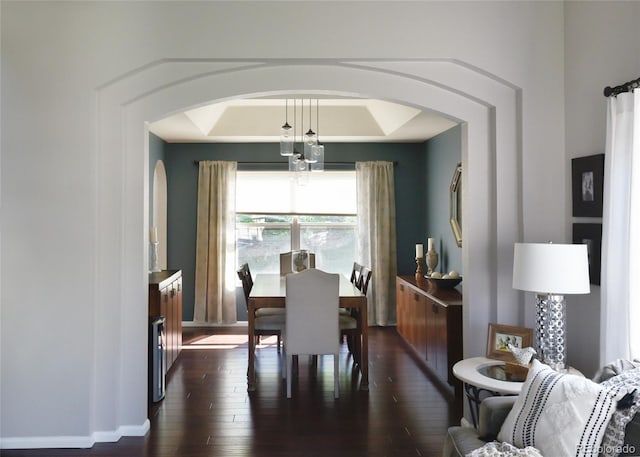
[550, 268]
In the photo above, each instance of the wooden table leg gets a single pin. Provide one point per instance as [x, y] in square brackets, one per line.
[364, 352]
[251, 369]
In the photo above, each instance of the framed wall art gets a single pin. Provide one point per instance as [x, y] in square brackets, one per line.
[591, 235]
[500, 336]
[587, 177]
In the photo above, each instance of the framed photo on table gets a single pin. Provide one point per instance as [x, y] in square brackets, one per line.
[587, 179]
[500, 336]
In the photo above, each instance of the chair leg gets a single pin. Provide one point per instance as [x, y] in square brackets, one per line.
[336, 384]
[278, 342]
[357, 343]
[283, 356]
[289, 363]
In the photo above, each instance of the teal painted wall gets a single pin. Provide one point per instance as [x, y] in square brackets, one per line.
[182, 177]
[442, 153]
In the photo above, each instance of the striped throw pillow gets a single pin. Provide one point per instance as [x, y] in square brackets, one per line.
[560, 414]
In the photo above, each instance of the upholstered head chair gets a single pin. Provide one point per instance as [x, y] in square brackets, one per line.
[312, 328]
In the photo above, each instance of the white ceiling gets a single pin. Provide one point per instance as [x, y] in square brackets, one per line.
[342, 120]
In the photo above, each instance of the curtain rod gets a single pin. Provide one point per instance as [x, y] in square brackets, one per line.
[197, 162]
[626, 87]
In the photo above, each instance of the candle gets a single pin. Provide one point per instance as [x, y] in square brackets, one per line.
[153, 235]
[430, 244]
[419, 251]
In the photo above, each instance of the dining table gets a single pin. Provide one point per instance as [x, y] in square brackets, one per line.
[269, 291]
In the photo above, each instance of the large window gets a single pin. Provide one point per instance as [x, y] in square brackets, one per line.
[277, 214]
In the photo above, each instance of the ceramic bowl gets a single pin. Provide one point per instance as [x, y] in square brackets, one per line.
[448, 283]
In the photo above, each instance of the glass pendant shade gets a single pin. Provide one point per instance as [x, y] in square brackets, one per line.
[310, 137]
[292, 164]
[297, 162]
[310, 140]
[317, 155]
[286, 140]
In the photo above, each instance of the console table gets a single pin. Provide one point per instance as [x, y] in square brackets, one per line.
[165, 299]
[430, 321]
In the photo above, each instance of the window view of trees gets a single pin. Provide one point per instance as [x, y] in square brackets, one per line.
[261, 238]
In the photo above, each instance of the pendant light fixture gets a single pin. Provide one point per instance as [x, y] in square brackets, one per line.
[296, 160]
[317, 150]
[310, 139]
[309, 154]
[286, 140]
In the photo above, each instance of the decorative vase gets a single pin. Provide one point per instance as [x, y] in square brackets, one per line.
[153, 257]
[432, 261]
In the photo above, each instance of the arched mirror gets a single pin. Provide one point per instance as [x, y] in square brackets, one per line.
[455, 204]
[160, 211]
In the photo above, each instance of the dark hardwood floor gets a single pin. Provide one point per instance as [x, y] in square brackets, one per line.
[208, 411]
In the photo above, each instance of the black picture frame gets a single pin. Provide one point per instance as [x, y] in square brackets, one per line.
[591, 235]
[587, 182]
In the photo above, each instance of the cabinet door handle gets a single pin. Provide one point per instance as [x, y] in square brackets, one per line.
[401, 287]
[416, 297]
[435, 308]
[173, 292]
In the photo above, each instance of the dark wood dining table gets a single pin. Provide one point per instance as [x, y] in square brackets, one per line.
[269, 291]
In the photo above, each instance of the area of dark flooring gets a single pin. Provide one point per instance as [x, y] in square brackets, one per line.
[207, 410]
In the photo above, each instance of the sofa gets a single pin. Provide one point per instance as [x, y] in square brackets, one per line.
[494, 411]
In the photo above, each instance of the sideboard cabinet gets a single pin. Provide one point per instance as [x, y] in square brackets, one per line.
[430, 321]
[165, 299]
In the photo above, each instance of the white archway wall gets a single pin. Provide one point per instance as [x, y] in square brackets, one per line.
[160, 211]
[488, 106]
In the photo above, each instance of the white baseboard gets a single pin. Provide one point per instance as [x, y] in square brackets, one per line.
[77, 442]
[50, 442]
[112, 436]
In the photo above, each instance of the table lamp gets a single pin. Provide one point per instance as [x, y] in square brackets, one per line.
[551, 271]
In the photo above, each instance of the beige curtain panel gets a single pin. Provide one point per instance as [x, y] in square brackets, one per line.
[215, 298]
[377, 237]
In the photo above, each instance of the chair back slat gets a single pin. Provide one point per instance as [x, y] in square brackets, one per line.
[247, 281]
[356, 272]
[365, 277]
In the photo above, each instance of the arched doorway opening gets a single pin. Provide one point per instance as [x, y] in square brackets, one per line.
[487, 107]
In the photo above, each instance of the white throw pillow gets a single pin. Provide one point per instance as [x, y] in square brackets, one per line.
[560, 414]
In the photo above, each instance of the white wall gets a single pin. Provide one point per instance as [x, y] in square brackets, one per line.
[602, 49]
[79, 80]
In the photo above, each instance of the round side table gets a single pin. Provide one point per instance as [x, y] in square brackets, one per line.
[482, 378]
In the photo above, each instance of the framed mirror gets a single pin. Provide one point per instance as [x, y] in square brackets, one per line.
[455, 204]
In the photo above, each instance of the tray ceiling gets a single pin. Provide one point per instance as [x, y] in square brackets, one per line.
[341, 120]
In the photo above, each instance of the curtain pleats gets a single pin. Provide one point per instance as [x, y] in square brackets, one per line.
[620, 287]
[377, 237]
[215, 299]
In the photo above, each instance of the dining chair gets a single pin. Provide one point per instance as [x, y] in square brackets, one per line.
[350, 326]
[267, 321]
[355, 273]
[286, 261]
[311, 327]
